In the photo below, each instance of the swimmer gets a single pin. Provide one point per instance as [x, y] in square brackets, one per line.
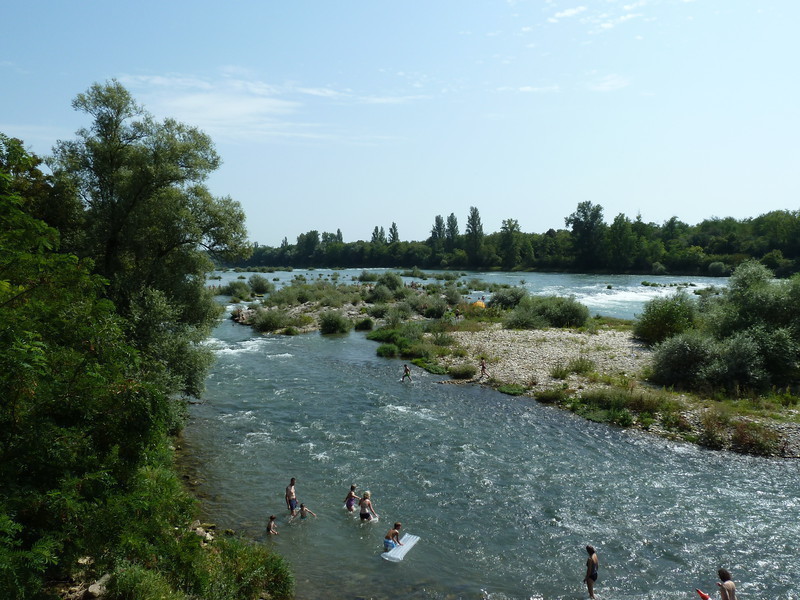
[406, 373]
[392, 538]
[305, 511]
[271, 527]
[351, 499]
[727, 589]
[367, 511]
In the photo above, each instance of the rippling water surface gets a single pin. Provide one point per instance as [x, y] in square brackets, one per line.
[505, 493]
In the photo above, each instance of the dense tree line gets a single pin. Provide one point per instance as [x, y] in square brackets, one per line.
[102, 307]
[587, 244]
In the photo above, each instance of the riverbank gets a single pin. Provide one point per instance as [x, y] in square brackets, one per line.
[537, 361]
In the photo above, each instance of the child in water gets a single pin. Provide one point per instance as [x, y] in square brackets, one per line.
[392, 538]
[351, 499]
[305, 511]
[271, 528]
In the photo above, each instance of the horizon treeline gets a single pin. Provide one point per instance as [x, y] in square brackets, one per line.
[588, 243]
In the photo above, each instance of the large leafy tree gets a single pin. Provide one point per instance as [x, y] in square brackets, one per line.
[151, 224]
[588, 234]
[510, 243]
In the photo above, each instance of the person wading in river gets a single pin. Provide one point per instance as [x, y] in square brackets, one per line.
[591, 570]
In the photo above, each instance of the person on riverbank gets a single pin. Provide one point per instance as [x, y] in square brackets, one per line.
[727, 589]
[291, 497]
[591, 570]
[392, 538]
[367, 511]
[484, 372]
[272, 528]
[406, 373]
[351, 499]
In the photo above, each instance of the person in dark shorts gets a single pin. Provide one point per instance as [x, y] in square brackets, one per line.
[366, 512]
[291, 497]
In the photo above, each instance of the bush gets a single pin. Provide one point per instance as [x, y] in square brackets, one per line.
[332, 321]
[260, 285]
[465, 371]
[535, 312]
[391, 280]
[736, 364]
[507, 298]
[269, 320]
[380, 294]
[364, 325]
[681, 360]
[552, 396]
[378, 311]
[714, 428]
[237, 289]
[665, 317]
[388, 351]
[367, 277]
[753, 438]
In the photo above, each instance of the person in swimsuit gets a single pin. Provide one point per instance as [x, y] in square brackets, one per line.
[727, 589]
[484, 372]
[392, 538]
[406, 373]
[271, 528]
[291, 497]
[351, 499]
[367, 512]
[304, 512]
[591, 570]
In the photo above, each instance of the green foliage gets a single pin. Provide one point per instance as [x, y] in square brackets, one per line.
[512, 389]
[388, 351]
[535, 312]
[507, 298]
[680, 360]
[364, 325]
[665, 317]
[463, 371]
[753, 438]
[267, 321]
[332, 321]
[260, 284]
[551, 396]
[391, 280]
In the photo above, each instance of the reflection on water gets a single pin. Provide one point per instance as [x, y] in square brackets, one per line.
[505, 493]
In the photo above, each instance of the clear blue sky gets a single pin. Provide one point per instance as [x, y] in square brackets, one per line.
[347, 115]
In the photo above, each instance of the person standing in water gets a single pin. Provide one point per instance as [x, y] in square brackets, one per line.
[367, 511]
[591, 570]
[291, 497]
[351, 499]
[392, 538]
[406, 373]
[727, 589]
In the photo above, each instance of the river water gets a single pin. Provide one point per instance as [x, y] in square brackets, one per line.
[504, 492]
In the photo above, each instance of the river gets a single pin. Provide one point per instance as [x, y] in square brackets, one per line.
[504, 492]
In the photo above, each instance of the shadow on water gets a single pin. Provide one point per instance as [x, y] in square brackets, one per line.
[504, 492]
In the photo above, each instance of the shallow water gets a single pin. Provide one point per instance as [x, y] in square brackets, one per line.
[505, 493]
[620, 296]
